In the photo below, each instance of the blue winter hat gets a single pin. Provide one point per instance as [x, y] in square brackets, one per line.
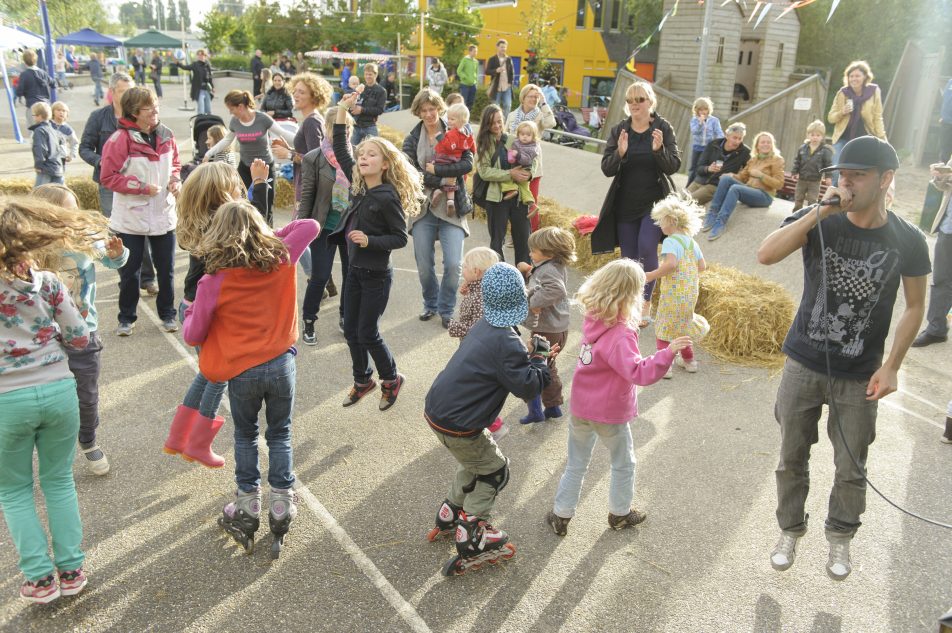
[504, 296]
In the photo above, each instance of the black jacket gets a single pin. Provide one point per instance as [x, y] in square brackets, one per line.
[458, 170]
[714, 152]
[372, 104]
[34, 85]
[256, 67]
[201, 77]
[491, 65]
[807, 166]
[280, 102]
[667, 161]
[469, 393]
[99, 127]
[379, 214]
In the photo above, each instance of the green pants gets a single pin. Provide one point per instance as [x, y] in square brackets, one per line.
[45, 417]
[477, 455]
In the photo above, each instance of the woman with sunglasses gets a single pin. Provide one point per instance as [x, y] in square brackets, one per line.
[641, 155]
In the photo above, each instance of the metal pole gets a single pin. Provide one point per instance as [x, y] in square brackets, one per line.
[9, 91]
[399, 73]
[422, 38]
[185, 105]
[702, 61]
[49, 46]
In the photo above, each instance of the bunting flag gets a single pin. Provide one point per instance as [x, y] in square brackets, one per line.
[836, 3]
[754, 12]
[763, 14]
[795, 5]
[629, 63]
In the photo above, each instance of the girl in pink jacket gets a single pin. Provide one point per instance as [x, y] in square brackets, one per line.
[604, 397]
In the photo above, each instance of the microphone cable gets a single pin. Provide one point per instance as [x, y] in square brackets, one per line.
[829, 377]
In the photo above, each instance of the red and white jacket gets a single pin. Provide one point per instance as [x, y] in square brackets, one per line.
[129, 165]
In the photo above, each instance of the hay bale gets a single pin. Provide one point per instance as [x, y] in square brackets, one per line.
[85, 189]
[284, 194]
[749, 316]
[554, 214]
[391, 135]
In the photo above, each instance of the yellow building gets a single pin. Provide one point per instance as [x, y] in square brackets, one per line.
[588, 57]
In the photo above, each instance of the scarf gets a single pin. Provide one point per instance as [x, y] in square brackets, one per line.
[340, 193]
[521, 115]
[856, 128]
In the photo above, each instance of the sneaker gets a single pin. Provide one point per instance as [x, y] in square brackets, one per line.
[151, 288]
[785, 551]
[559, 525]
[838, 565]
[620, 522]
[358, 391]
[668, 375]
[170, 325]
[389, 390]
[340, 325]
[42, 591]
[309, 337]
[709, 221]
[125, 329]
[95, 459]
[716, 231]
[688, 366]
[72, 582]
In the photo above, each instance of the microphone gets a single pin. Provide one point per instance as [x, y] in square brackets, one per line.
[832, 201]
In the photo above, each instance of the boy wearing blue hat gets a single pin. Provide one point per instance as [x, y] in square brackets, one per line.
[855, 255]
[467, 396]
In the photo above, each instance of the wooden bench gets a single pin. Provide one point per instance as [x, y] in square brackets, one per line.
[789, 189]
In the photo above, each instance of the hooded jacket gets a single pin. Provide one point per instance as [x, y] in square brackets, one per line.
[49, 149]
[608, 370]
[377, 212]
[35, 85]
[469, 393]
[129, 165]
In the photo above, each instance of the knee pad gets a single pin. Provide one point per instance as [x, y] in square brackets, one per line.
[497, 479]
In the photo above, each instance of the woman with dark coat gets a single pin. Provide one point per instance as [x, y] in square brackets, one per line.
[278, 103]
[641, 155]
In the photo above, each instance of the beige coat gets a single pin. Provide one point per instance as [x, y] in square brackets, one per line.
[772, 180]
[872, 113]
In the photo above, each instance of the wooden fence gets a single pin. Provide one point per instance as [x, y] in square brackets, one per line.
[910, 108]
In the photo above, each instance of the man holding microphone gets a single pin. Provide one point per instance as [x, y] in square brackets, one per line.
[867, 251]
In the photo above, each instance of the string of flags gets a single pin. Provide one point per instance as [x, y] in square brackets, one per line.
[761, 9]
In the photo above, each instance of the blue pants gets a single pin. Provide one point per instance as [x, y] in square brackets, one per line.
[639, 241]
[97, 90]
[147, 271]
[504, 99]
[695, 158]
[45, 418]
[360, 133]
[469, 94]
[42, 178]
[730, 192]
[438, 295]
[204, 103]
[322, 263]
[271, 384]
[163, 253]
[365, 300]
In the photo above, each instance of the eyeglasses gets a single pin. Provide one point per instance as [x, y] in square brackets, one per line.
[634, 100]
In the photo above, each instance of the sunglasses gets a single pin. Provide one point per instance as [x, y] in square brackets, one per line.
[635, 100]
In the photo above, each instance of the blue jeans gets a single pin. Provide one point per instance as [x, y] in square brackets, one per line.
[837, 150]
[305, 263]
[97, 90]
[147, 271]
[469, 94]
[365, 299]
[730, 192]
[270, 383]
[360, 133]
[582, 436]
[639, 241]
[43, 178]
[204, 395]
[695, 159]
[204, 102]
[504, 99]
[438, 296]
[45, 418]
[163, 253]
[322, 263]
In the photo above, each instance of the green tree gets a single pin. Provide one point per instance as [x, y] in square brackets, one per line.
[267, 25]
[542, 38]
[66, 16]
[454, 28]
[384, 29]
[240, 38]
[184, 14]
[643, 18]
[172, 18]
[148, 14]
[217, 27]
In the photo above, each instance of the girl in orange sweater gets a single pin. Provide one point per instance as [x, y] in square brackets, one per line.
[755, 185]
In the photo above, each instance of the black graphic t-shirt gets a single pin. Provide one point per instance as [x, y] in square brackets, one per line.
[863, 270]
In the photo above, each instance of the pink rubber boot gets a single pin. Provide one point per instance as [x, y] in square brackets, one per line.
[199, 446]
[181, 428]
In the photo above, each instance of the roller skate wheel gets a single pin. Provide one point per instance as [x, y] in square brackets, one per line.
[510, 552]
[451, 568]
[435, 534]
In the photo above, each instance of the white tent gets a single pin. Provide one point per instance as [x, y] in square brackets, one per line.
[14, 39]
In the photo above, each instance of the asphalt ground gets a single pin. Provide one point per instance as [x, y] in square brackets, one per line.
[356, 558]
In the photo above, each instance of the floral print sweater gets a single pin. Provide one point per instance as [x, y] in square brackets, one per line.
[37, 318]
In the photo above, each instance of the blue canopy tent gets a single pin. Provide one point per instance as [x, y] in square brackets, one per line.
[88, 37]
[14, 38]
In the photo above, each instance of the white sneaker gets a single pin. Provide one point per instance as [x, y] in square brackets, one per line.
[690, 367]
[500, 433]
[96, 460]
[784, 552]
[838, 565]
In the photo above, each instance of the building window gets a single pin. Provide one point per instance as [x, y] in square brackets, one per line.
[750, 57]
[780, 56]
[580, 15]
[720, 51]
[616, 14]
[740, 58]
[597, 10]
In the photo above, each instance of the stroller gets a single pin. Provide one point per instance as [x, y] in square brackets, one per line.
[199, 124]
[565, 120]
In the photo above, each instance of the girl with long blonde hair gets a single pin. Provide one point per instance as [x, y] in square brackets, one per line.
[196, 421]
[38, 392]
[386, 190]
[604, 390]
[245, 319]
[77, 270]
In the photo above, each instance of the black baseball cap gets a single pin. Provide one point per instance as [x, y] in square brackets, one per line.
[867, 152]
